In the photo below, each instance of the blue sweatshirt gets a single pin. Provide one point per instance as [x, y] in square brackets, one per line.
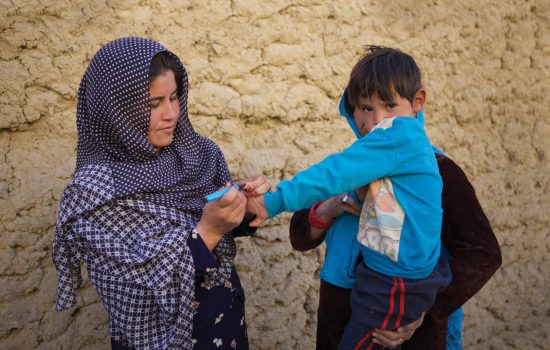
[402, 238]
[342, 249]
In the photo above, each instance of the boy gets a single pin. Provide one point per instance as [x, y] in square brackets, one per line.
[400, 271]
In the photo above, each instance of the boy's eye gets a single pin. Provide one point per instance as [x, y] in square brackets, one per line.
[366, 109]
[390, 105]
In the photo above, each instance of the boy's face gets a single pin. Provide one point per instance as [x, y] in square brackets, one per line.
[373, 110]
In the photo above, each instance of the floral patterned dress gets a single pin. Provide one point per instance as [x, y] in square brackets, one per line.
[219, 321]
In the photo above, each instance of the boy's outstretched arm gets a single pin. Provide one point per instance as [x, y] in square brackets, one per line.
[367, 159]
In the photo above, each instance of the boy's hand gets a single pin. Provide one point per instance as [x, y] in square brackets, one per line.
[256, 206]
[253, 188]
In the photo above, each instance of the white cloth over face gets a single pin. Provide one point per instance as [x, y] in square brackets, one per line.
[128, 210]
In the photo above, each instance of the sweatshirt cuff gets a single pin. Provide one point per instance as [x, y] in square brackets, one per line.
[274, 203]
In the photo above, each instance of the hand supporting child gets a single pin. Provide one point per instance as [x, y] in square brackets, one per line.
[391, 339]
[336, 206]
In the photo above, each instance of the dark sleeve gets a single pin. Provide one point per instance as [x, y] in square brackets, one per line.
[469, 238]
[243, 229]
[300, 233]
[202, 257]
[431, 335]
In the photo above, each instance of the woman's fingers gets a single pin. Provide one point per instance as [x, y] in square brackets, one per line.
[228, 198]
[382, 338]
[408, 330]
[222, 215]
[241, 208]
[391, 339]
[388, 334]
[232, 206]
[239, 203]
[399, 334]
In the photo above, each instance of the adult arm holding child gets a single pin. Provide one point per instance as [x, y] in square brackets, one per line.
[475, 256]
[334, 310]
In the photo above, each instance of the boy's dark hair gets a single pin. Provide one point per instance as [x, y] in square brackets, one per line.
[386, 71]
[162, 62]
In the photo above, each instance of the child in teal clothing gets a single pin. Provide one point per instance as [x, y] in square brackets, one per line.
[399, 231]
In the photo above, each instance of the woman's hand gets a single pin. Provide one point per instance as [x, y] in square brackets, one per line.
[392, 339]
[221, 216]
[255, 186]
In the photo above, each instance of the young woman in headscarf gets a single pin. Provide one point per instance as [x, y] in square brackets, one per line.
[160, 259]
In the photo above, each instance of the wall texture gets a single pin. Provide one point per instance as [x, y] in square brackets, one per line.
[265, 79]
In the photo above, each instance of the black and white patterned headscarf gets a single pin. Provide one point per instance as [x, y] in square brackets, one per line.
[129, 210]
[113, 118]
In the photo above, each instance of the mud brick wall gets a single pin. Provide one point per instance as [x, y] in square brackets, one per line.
[265, 80]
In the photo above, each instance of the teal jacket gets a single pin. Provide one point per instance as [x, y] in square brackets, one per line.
[403, 242]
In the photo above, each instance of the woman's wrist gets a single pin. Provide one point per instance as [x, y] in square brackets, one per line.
[209, 236]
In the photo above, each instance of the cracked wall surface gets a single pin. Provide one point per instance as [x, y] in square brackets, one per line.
[265, 80]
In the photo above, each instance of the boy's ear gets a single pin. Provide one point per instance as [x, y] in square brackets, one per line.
[419, 100]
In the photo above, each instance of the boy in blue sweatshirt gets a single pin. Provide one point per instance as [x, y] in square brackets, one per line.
[400, 271]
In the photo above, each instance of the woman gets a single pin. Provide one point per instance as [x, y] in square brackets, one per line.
[160, 260]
